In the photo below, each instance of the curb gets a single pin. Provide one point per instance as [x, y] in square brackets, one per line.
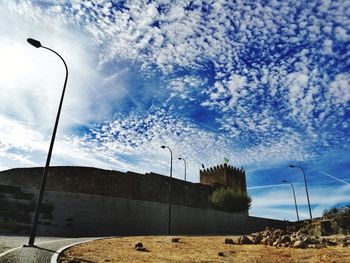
[55, 256]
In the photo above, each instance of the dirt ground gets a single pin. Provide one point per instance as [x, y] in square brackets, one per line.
[195, 249]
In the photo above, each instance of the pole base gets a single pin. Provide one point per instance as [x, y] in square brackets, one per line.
[27, 245]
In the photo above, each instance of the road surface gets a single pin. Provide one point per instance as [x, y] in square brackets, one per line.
[45, 248]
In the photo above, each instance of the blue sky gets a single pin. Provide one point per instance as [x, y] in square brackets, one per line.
[262, 83]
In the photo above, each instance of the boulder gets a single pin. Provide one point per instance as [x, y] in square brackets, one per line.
[285, 239]
[331, 243]
[244, 240]
[326, 228]
[139, 244]
[306, 239]
[299, 244]
[257, 239]
[221, 254]
[265, 241]
[175, 239]
[229, 241]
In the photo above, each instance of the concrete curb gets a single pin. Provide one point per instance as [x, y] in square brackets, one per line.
[55, 256]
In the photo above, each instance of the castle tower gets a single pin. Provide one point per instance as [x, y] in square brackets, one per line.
[224, 175]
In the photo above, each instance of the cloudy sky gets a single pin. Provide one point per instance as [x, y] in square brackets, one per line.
[262, 83]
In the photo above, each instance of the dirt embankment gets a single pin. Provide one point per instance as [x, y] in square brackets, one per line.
[196, 249]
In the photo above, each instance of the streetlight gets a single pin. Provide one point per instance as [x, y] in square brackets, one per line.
[37, 44]
[307, 193]
[185, 165]
[171, 174]
[295, 200]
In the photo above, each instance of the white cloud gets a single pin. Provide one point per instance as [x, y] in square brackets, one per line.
[277, 201]
[341, 34]
[340, 89]
[274, 80]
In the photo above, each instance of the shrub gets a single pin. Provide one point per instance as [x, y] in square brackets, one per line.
[228, 200]
[336, 211]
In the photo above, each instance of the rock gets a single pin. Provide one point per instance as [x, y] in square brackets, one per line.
[175, 239]
[302, 231]
[141, 249]
[229, 241]
[331, 243]
[320, 245]
[244, 240]
[275, 244]
[293, 239]
[139, 244]
[221, 254]
[306, 239]
[326, 227]
[344, 244]
[257, 239]
[265, 241]
[299, 244]
[285, 239]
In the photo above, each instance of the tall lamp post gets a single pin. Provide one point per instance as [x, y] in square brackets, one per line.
[307, 192]
[180, 158]
[171, 175]
[295, 200]
[37, 44]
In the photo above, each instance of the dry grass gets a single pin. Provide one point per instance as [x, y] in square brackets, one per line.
[195, 249]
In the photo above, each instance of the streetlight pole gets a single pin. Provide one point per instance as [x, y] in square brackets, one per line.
[307, 192]
[169, 194]
[37, 44]
[295, 200]
[180, 158]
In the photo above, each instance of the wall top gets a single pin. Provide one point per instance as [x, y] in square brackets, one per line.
[219, 168]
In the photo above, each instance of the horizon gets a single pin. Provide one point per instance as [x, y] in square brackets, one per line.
[263, 85]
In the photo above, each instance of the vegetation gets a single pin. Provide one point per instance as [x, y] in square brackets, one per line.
[336, 211]
[228, 200]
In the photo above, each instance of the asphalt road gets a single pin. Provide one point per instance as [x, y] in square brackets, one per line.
[44, 250]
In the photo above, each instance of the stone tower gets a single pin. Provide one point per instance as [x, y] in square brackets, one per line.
[224, 175]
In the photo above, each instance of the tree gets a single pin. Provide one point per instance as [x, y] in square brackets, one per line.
[228, 200]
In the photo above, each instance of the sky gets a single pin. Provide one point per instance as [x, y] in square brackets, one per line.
[264, 84]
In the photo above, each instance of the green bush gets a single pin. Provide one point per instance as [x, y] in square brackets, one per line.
[336, 211]
[228, 200]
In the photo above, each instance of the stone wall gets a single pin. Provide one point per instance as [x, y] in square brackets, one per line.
[82, 201]
[78, 215]
[147, 187]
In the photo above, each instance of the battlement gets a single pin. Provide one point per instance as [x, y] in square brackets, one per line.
[224, 175]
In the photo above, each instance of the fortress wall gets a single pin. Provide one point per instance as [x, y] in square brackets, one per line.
[82, 201]
[148, 187]
[78, 215]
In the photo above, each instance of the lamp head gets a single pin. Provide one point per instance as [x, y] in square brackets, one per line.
[179, 158]
[34, 42]
[163, 146]
[291, 166]
[284, 181]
